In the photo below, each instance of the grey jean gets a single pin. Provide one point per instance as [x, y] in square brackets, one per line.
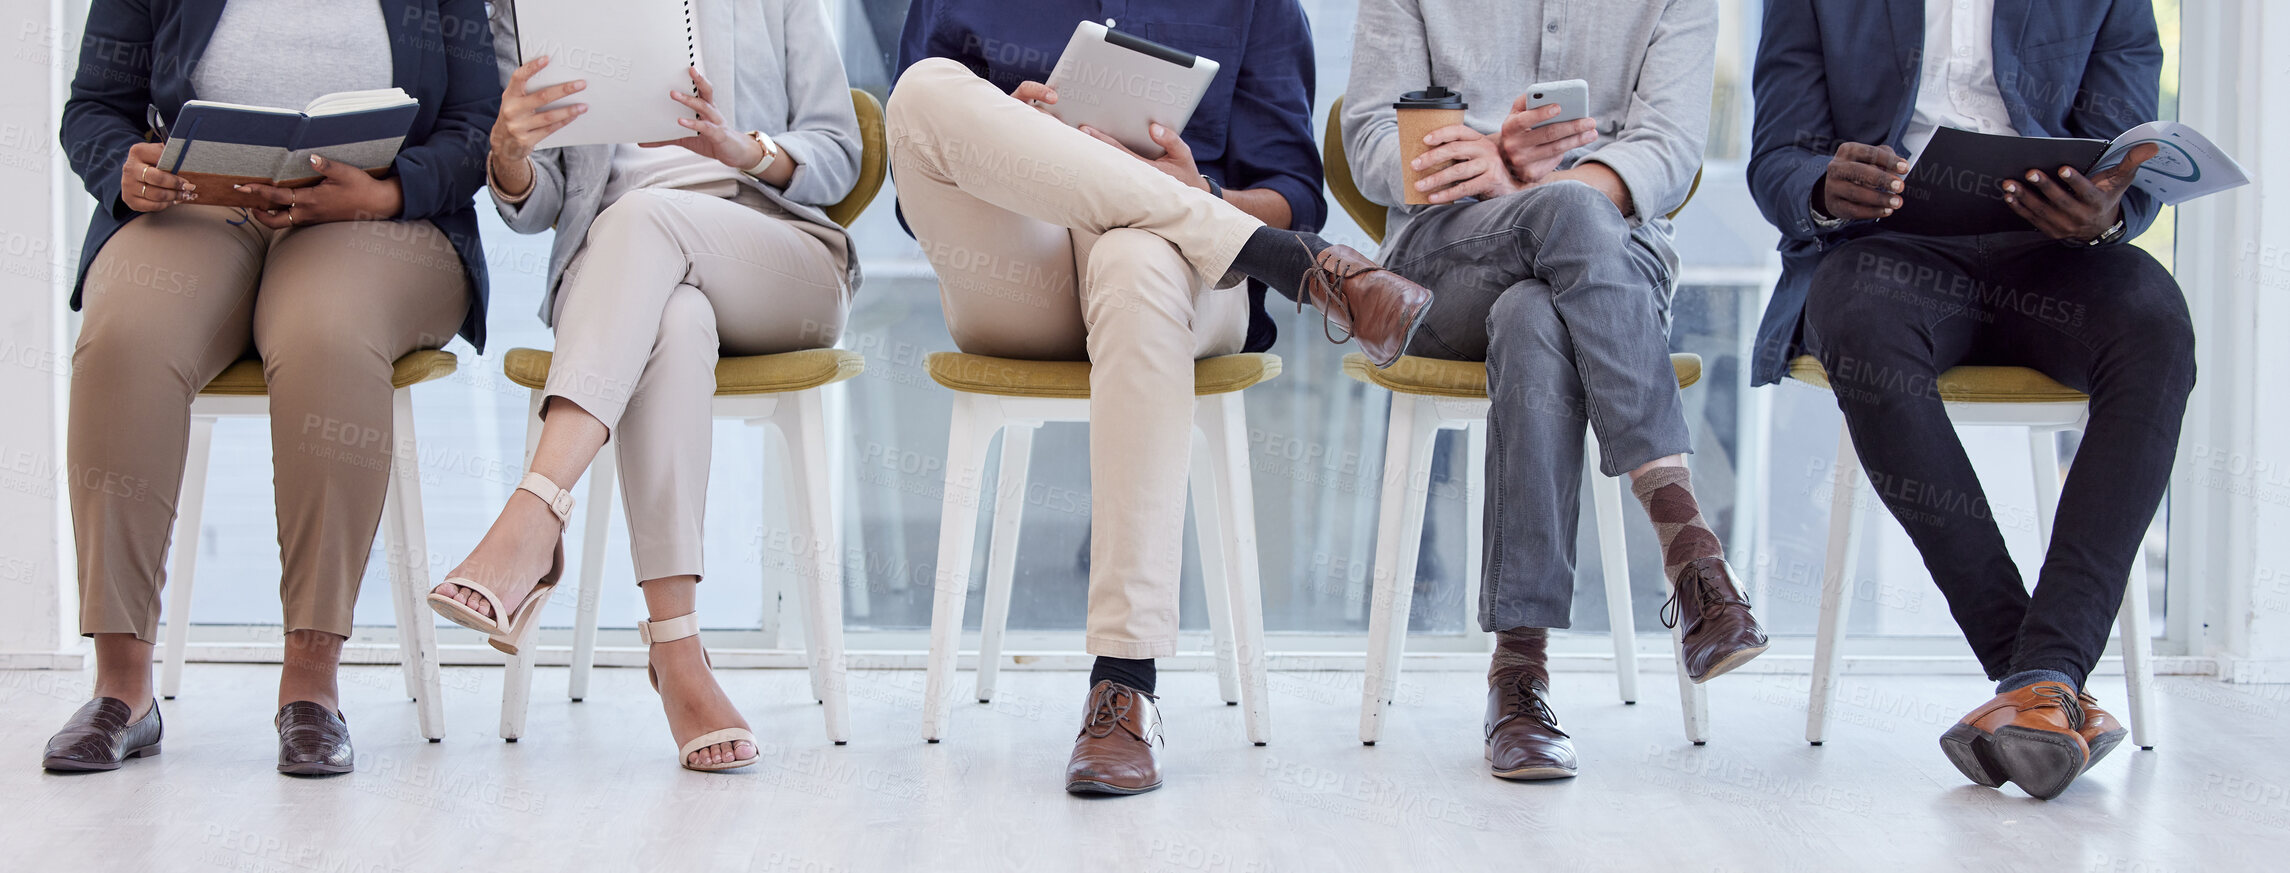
[1570, 309]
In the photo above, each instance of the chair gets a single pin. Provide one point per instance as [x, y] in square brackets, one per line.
[1014, 397]
[241, 392]
[1430, 395]
[777, 390]
[1975, 397]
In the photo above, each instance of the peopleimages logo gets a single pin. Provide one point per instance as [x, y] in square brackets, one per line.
[1135, 85]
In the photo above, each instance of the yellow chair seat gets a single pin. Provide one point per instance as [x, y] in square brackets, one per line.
[751, 374]
[244, 379]
[1009, 377]
[1969, 384]
[1433, 377]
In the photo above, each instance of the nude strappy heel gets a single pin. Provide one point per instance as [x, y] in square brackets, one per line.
[510, 634]
[671, 630]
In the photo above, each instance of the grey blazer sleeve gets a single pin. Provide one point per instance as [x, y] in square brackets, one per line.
[538, 211]
[1389, 55]
[822, 128]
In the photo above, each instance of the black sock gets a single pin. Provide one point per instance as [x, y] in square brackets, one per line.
[1134, 672]
[1279, 258]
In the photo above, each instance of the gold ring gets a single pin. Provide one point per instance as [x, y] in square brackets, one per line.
[290, 214]
[143, 192]
[143, 176]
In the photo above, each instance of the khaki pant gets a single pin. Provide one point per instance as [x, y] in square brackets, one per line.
[174, 298]
[1050, 245]
[666, 278]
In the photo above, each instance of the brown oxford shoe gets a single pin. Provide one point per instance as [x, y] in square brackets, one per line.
[1364, 301]
[1718, 631]
[1524, 741]
[1116, 751]
[101, 735]
[313, 740]
[2101, 732]
[2031, 737]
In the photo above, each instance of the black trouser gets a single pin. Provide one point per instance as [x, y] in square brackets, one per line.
[1888, 313]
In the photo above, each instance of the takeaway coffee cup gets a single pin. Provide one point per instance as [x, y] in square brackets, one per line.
[1420, 113]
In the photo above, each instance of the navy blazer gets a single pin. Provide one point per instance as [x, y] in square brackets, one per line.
[140, 53]
[1834, 71]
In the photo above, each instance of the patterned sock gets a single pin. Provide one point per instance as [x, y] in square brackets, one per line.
[1668, 494]
[1136, 673]
[1521, 648]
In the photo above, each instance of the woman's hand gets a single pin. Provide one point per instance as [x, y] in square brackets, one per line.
[522, 125]
[146, 188]
[712, 137]
[1176, 157]
[346, 194]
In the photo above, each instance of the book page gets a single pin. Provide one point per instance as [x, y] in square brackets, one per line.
[2187, 165]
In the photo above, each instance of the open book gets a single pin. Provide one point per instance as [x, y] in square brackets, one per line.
[216, 145]
[1955, 187]
[631, 53]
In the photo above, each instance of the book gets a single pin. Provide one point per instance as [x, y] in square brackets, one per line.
[631, 53]
[215, 145]
[1955, 187]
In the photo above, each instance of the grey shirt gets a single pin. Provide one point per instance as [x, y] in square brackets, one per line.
[1649, 64]
[787, 81]
[286, 53]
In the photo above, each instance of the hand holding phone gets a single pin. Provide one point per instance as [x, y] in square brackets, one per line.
[1545, 123]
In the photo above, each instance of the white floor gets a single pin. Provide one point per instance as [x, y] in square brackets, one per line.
[593, 786]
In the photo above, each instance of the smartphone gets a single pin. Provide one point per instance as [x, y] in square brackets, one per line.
[1571, 95]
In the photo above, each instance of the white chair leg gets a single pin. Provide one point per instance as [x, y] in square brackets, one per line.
[1845, 522]
[517, 674]
[408, 560]
[1614, 558]
[976, 417]
[1216, 595]
[185, 558]
[811, 515]
[1225, 421]
[1399, 534]
[2043, 461]
[1475, 528]
[596, 533]
[1002, 551]
[2138, 668]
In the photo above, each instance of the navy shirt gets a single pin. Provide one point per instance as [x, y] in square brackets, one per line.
[1253, 129]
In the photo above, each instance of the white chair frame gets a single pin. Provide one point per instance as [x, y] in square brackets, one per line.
[406, 552]
[1224, 520]
[2043, 421]
[1416, 421]
[799, 419]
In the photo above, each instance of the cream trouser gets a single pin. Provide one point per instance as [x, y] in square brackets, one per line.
[1050, 245]
[174, 298]
[667, 280]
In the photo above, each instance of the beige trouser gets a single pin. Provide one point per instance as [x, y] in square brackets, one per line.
[174, 298]
[1050, 245]
[666, 278]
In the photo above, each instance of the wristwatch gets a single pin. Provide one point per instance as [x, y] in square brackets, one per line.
[770, 152]
[2109, 235]
[1215, 190]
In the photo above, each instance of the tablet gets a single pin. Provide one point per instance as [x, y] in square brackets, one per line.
[1121, 84]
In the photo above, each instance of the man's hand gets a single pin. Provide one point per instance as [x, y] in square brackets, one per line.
[1531, 152]
[1478, 169]
[146, 188]
[1863, 181]
[346, 194]
[1176, 157]
[2074, 207]
[1030, 93]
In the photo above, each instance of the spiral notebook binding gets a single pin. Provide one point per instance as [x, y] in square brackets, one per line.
[692, 44]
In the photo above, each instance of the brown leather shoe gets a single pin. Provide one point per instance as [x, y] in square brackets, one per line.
[1719, 633]
[1362, 300]
[2031, 737]
[313, 740]
[2101, 732]
[1523, 737]
[1114, 753]
[99, 736]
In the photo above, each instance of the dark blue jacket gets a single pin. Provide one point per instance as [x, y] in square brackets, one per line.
[140, 53]
[1833, 71]
[1253, 129]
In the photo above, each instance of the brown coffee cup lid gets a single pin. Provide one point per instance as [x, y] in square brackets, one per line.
[1434, 97]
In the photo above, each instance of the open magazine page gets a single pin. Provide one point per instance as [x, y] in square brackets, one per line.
[2186, 167]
